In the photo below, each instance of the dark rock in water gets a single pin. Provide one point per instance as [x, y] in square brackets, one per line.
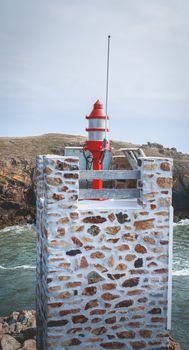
[181, 201]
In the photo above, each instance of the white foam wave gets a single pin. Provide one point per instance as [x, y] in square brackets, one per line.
[183, 272]
[182, 222]
[11, 228]
[17, 228]
[24, 267]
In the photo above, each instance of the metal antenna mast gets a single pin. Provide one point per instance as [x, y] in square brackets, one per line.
[107, 82]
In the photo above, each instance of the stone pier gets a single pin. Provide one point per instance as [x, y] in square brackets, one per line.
[103, 268]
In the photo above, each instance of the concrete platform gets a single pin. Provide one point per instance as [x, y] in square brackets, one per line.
[108, 204]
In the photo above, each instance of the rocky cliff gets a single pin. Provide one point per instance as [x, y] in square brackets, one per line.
[17, 175]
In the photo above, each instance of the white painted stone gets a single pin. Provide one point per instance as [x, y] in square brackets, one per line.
[62, 282]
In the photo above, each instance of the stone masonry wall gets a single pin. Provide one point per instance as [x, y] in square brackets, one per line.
[102, 275]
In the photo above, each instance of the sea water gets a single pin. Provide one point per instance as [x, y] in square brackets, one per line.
[17, 268]
[180, 301]
[17, 275]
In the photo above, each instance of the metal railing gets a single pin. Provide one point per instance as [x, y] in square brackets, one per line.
[126, 193]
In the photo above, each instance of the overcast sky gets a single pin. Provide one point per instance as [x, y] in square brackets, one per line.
[53, 67]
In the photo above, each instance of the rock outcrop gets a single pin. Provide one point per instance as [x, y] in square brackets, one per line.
[17, 195]
[18, 331]
[173, 345]
[17, 175]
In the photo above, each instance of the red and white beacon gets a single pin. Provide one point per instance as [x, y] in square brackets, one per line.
[97, 142]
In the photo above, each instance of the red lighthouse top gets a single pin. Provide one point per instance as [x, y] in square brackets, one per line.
[97, 112]
[97, 141]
